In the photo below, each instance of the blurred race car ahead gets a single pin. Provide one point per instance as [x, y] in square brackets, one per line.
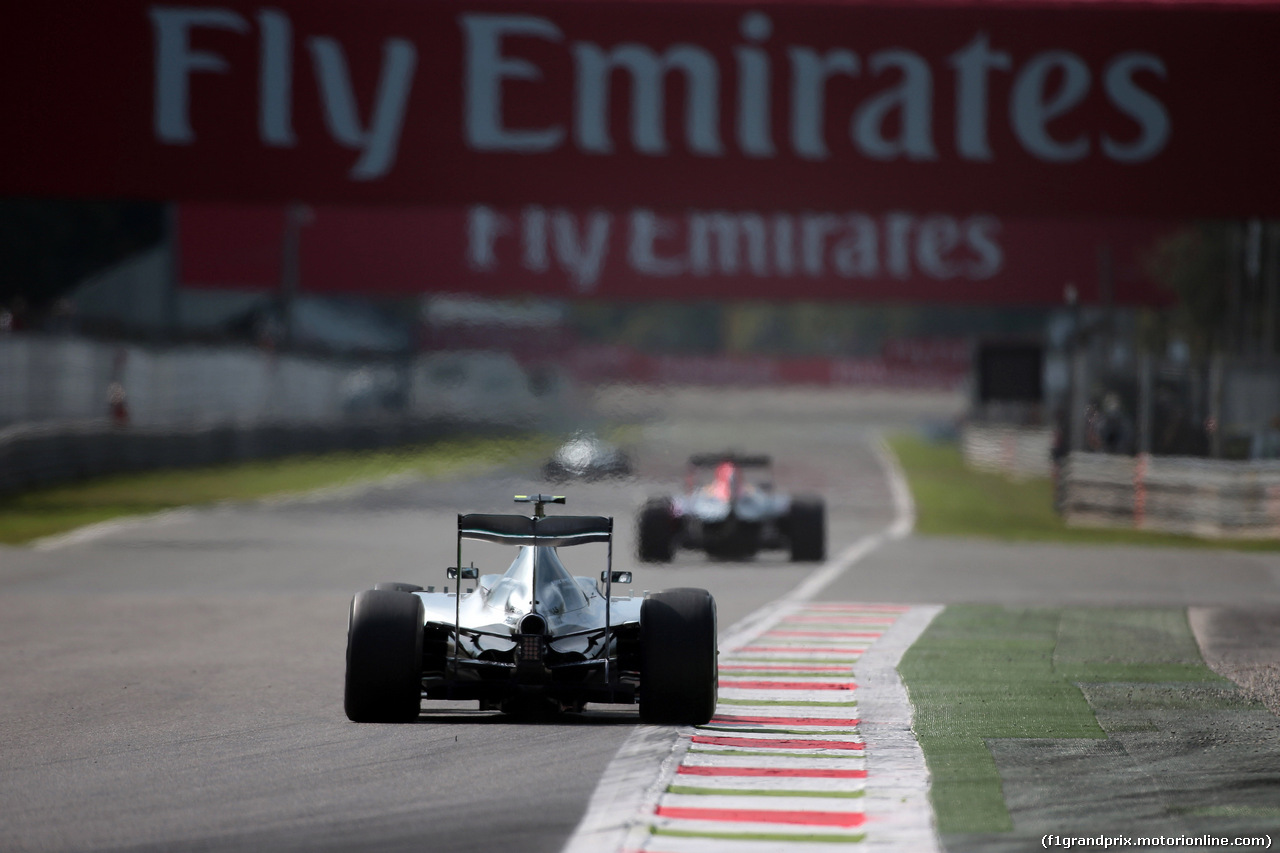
[730, 510]
[533, 639]
[586, 457]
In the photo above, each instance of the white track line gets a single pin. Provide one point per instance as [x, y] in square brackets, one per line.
[92, 532]
[97, 530]
[619, 815]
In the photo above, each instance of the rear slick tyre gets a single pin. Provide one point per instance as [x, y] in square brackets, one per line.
[654, 532]
[807, 530]
[396, 586]
[678, 669]
[384, 657]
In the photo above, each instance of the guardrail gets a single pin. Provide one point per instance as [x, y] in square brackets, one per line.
[1177, 494]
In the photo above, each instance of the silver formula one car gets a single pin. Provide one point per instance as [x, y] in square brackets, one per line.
[534, 638]
[730, 510]
[586, 457]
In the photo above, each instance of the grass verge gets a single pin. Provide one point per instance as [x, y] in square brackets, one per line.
[49, 511]
[954, 500]
[982, 672]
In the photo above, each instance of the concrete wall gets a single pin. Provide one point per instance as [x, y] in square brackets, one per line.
[194, 405]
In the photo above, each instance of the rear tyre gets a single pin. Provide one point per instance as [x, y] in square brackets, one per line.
[807, 529]
[678, 670]
[384, 657]
[395, 586]
[655, 532]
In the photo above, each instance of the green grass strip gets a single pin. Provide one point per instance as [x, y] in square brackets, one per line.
[981, 672]
[736, 792]
[775, 753]
[799, 703]
[815, 838]
[49, 511]
[954, 500]
[1130, 645]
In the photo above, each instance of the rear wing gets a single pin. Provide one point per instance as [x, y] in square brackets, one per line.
[706, 460]
[551, 530]
[543, 530]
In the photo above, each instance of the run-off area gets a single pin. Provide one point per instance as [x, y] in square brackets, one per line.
[1079, 721]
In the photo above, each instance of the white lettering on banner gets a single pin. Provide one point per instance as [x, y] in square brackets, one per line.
[580, 254]
[809, 73]
[729, 232]
[275, 84]
[857, 253]
[972, 63]
[647, 228]
[482, 78]
[176, 60]
[534, 239]
[648, 79]
[912, 98]
[484, 227]
[377, 143]
[1138, 105]
[582, 259]
[898, 246]
[754, 70]
[1031, 113]
[893, 124]
[726, 111]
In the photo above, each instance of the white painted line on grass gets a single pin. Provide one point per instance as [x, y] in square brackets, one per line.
[90, 532]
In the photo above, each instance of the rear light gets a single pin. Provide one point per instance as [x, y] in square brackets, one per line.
[531, 641]
[531, 647]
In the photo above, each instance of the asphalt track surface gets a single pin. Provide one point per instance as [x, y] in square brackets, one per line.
[176, 684]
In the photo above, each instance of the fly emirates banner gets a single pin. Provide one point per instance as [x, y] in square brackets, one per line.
[1030, 108]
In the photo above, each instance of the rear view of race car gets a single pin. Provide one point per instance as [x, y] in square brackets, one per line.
[535, 638]
[730, 510]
